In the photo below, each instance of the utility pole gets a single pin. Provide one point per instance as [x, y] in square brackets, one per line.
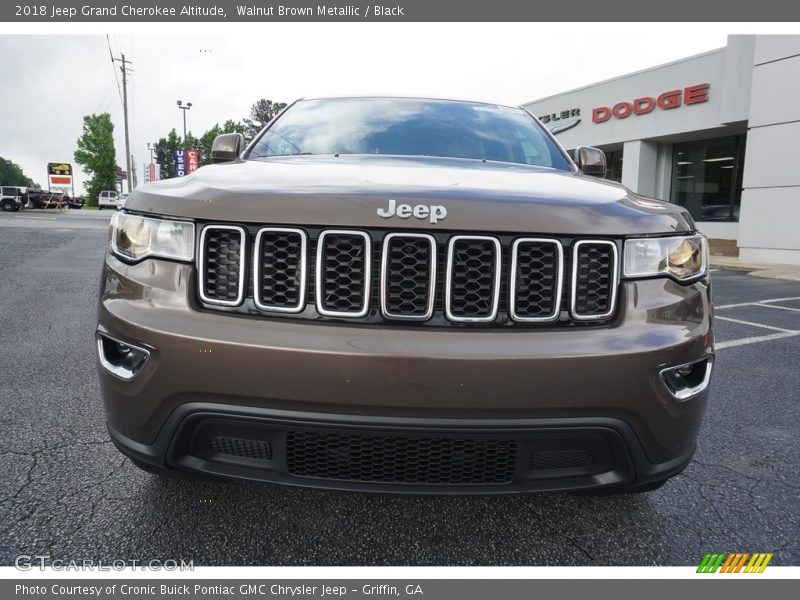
[124, 68]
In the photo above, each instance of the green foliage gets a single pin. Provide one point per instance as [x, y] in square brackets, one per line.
[261, 113]
[165, 152]
[11, 174]
[97, 156]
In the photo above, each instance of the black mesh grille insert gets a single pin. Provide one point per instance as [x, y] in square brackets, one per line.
[536, 280]
[594, 281]
[241, 448]
[473, 274]
[222, 264]
[398, 459]
[343, 276]
[280, 256]
[545, 460]
[409, 266]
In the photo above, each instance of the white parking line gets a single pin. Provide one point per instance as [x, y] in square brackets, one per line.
[757, 302]
[769, 303]
[754, 340]
[780, 307]
[751, 324]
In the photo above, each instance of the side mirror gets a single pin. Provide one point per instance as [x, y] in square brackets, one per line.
[591, 161]
[227, 147]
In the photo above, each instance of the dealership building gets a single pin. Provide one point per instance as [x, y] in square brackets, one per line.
[718, 133]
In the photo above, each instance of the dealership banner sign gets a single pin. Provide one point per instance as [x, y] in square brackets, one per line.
[79, 11]
[152, 172]
[192, 160]
[179, 159]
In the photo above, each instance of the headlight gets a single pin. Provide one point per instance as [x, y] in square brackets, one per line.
[680, 257]
[134, 238]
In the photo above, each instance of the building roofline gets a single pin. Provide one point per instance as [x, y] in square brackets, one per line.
[633, 74]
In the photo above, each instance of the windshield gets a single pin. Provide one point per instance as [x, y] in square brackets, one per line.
[410, 127]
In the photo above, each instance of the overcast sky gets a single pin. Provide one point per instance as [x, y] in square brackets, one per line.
[50, 82]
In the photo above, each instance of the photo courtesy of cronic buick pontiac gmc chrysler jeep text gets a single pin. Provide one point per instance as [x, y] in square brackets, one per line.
[405, 295]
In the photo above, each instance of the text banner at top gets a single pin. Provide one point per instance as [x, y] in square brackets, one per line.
[400, 10]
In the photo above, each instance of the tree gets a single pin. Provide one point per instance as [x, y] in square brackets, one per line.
[261, 113]
[11, 174]
[165, 153]
[207, 139]
[97, 156]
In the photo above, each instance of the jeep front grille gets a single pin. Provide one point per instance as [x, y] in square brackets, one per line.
[436, 279]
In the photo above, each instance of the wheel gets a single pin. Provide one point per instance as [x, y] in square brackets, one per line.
[9, 206]
[623, 489]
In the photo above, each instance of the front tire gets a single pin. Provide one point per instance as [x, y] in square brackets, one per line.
[9, 206]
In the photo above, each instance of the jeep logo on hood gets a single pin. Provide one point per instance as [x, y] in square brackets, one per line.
[434, 213]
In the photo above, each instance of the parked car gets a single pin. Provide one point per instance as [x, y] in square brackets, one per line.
[107, 199]
[123, 198]
[12, 198]
[76, 202]
[431, 297]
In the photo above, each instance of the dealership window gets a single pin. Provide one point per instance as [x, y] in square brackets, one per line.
[614, 165]
[707, 177]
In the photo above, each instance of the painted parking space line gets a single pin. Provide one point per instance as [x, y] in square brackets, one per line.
[755, 340]
[767, 302]
[782, 332]
[778, 306]
[751, 324]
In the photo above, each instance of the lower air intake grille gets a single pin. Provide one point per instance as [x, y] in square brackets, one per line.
[396, 459]
[241, 448]
[546, 460]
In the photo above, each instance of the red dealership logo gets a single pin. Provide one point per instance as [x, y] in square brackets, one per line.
[693, 94]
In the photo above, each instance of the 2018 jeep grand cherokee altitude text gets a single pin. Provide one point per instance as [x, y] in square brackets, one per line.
[405, 295]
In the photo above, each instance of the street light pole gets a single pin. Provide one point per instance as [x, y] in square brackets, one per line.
[151, 148]
[184, 109]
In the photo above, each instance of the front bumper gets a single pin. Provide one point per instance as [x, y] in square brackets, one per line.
[572, 390]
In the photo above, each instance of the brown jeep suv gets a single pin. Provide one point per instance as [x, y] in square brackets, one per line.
[405, 295]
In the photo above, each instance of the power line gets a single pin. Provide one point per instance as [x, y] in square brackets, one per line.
[113, 67]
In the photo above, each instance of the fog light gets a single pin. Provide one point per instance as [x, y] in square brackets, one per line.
[121, 359]
[689, 380]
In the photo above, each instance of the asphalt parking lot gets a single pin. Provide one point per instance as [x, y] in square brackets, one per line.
[67, 492]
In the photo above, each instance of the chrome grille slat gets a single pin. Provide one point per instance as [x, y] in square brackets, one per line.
[595, 276]
[532, 270]
[286, 276]
[408, 276]
[334, 280]
[218, 280]
[472, 266]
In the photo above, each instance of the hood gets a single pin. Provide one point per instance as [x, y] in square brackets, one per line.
[347, 191]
